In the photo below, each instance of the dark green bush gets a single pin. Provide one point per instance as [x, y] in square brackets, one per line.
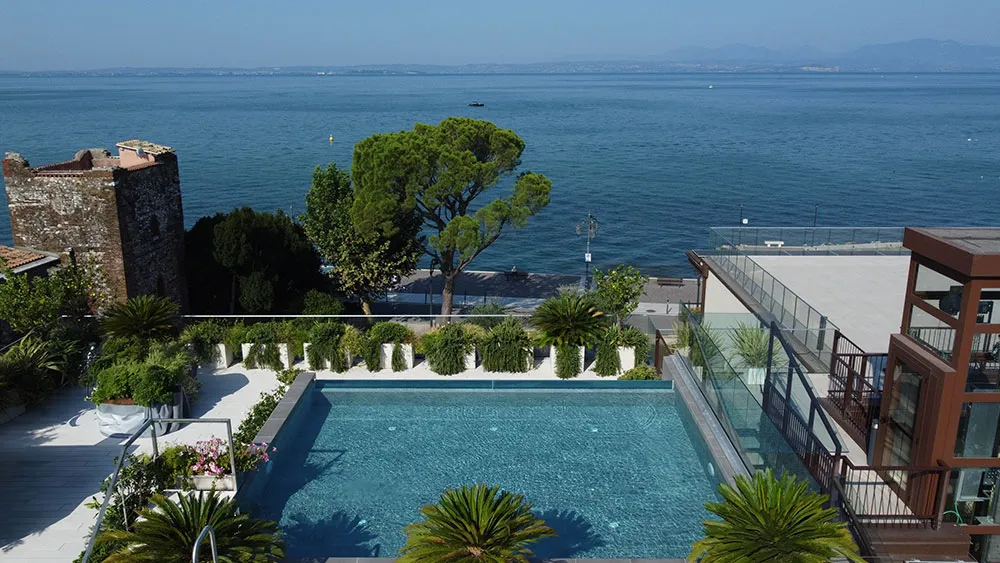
[257, 416]
[287, 376]
[203, 337]
[446, 349]
[632, 337]
[389, 332]
[264, 355]
[567, 361]
[325, 345]
[316, 302]
[371, 352]
[607, 362]
[640, 373]
[506, 348]
[113, 383]
[398, 361]
[152, 384]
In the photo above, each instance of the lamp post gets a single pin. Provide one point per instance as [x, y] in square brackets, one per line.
[430, 286]
[588, 226]
[815, 215]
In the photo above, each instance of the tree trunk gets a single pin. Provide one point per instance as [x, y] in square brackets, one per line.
[366, 307]
[446, 294]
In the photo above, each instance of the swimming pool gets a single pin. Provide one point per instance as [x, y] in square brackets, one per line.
[617, 472]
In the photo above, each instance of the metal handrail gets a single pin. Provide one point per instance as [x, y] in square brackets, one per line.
[197, 544]
[149, 425]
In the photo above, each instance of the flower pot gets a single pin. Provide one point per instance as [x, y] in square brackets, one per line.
[407, 350]
[223, 357]
[626, 358]
[124, 420]
[553, 353]
[470, 360]
[282, 353]
[756, 376]
[208, 482]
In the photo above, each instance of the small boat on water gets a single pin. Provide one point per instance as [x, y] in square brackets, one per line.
[477, 105]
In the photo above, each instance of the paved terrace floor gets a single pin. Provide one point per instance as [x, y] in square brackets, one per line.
[863, 295]
[52, 461]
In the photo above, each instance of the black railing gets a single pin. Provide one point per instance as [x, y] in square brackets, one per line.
[856, 380]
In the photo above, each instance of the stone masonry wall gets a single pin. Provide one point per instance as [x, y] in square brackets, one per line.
[151, 220]
[61, 211]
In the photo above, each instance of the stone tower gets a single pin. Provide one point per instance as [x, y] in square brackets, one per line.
[124, 213]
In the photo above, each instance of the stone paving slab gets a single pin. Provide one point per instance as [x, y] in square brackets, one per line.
[53, 459]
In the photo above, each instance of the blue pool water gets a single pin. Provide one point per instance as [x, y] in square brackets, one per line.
[616, 473]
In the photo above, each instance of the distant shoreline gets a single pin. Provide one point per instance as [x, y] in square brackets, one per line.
[325, 74]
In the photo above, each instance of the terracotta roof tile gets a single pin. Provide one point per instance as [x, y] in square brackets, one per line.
[16, 257]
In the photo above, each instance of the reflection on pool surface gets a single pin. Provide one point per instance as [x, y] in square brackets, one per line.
[617, 473]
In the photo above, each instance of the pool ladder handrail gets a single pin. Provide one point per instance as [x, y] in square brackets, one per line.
[197, 544]
[150, 424]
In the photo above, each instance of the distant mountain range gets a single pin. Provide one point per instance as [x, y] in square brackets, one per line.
[918, 55]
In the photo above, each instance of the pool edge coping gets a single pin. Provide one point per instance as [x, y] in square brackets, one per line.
[286, 406]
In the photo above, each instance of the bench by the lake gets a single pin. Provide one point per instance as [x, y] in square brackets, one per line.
[774, 243]
[675, 282]
[515, 275]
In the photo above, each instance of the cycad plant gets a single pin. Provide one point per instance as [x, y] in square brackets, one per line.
[146, 317]
[31, 366]
[768, 519]
[568, 322]
[166, 533]
[477, 524]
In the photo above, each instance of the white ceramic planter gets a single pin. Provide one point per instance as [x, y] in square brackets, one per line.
[470, 360]
[387, 355]
[756, 376]
[626, 358]
[223, 357]
[282, 353]
[553, 353]
[208, 482]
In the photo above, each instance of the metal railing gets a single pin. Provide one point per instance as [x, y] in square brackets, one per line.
[821, 241]
[150, 424]
[210, 532]
[856, 380]
[896, 496]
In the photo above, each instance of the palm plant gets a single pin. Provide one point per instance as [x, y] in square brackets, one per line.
[31, 366]
[768, 519]
[478, 524]
[166, 533]
[569, 320]
[147, 317]
[752, 344]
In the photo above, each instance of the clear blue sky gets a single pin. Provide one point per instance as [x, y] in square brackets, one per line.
[86, 34]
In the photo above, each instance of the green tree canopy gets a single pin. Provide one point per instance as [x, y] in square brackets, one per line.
[36, 304]
[364, 266]
[618, 291]
[435, 174]
[250, 262]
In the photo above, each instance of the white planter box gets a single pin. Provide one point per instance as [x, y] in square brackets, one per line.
[282, 353]
[470, 360]
[756, 376]
[348, 359]
[387, 355]
[626, 358]
[207, 482]
[553, 353]
[223, 357]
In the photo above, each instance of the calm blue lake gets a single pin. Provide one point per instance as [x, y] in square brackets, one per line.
[657, 158]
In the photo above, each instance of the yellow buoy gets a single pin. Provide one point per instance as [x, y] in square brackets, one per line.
[331, 138]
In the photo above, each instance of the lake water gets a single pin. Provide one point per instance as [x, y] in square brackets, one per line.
[657, 158]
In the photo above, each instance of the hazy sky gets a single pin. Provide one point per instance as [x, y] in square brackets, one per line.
[86, 34]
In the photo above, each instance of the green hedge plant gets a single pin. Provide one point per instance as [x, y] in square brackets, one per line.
[447, 348]
[326, 347]
[263, 352]
[640, 373]
[608, 360]
[507, 348]
[387, 333]
[203, 338]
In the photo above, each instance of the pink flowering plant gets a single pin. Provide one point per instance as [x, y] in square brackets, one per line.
[211, 457]
[250, 456]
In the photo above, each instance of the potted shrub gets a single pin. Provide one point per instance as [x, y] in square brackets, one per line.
[325, 349]
[568, 323]
[476, 335]
[506, 348]
[129, 393]
[447, 350]
[705, 348]
[751, 344]
[389, 345]
[261, 348]
[620, 350]
[355, 343]
[209, 343]
[640, 373]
